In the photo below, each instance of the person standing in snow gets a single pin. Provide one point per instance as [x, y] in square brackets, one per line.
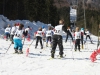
[13, 30]
[18, 46]
[44, 31]
[49, 34]
[69, 34]
[77, 35]
[57, 38]
[17, 25]
[87, 33]
[82, 36]
[27, 31]
[7, 32]
[39, 34]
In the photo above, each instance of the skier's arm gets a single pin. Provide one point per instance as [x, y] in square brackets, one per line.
[64, 29]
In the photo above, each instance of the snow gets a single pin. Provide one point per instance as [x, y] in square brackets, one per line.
[38, 63]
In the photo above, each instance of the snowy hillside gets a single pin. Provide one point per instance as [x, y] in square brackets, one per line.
[38, 63]
[34, 25]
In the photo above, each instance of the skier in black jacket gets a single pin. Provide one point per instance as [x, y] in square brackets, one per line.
[68, 34]
[57, 38]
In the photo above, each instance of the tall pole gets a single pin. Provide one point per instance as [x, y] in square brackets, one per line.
[84, 15]
[76, 12]
[3, 6]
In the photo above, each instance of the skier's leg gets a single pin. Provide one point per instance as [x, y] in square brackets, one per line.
[71, 37]
[78, 43]
[90, 39]
[60, 46]
[47, 41]
[66, 38]
[20, 46]
[40, 38]
[54, 44]
[37, 39]
[15, 45]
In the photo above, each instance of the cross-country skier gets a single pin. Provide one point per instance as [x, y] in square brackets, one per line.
[39, 34]
[57, 38]
[7, 32]
[44, 31]
[18, 46]
[82, 36]
[87, 33]
[69, 34]
[27, 31]
[77, 38]
[49, 34]
[13, 30]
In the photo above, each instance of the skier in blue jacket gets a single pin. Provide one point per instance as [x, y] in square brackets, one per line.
[18, 46]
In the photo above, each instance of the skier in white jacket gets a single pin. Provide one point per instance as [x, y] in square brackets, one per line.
[7, 32]
[13, 30]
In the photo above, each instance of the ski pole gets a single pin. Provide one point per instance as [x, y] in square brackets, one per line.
[8, 48]
[27, 51]
[23, 40]
[72, 49]
[98, 43]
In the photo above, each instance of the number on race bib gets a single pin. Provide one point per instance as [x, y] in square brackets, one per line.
[57, 31]
[39, 33]
[78, 37]
[49, 33]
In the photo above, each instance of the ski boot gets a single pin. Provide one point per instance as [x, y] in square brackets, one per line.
[41, 47]
[20, 52]
[52, 55]
[46, 44]
[84, 42]
[82, 47]
[35, 46]
[16, 50]
[75, 49]
[91, 42]
[61, 56]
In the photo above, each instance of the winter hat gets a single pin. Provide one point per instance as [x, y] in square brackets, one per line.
[82, 28]
[43, 27]
[40, 29]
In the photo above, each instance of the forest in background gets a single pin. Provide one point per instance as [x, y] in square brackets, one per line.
[50, 11]
[37, 10]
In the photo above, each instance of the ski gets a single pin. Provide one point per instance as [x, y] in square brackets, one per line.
[17, 53]
[58, 57]
[55, 58]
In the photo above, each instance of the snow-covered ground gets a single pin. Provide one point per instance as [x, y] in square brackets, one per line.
[37, 63]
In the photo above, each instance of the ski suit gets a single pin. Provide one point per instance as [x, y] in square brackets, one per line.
[13, 30]
[39, 35]
[7, 32]
[68, 34]
[77, 40]
[57, 39]
[18, 40]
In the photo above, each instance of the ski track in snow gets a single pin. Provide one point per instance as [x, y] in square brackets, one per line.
[74, 63]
